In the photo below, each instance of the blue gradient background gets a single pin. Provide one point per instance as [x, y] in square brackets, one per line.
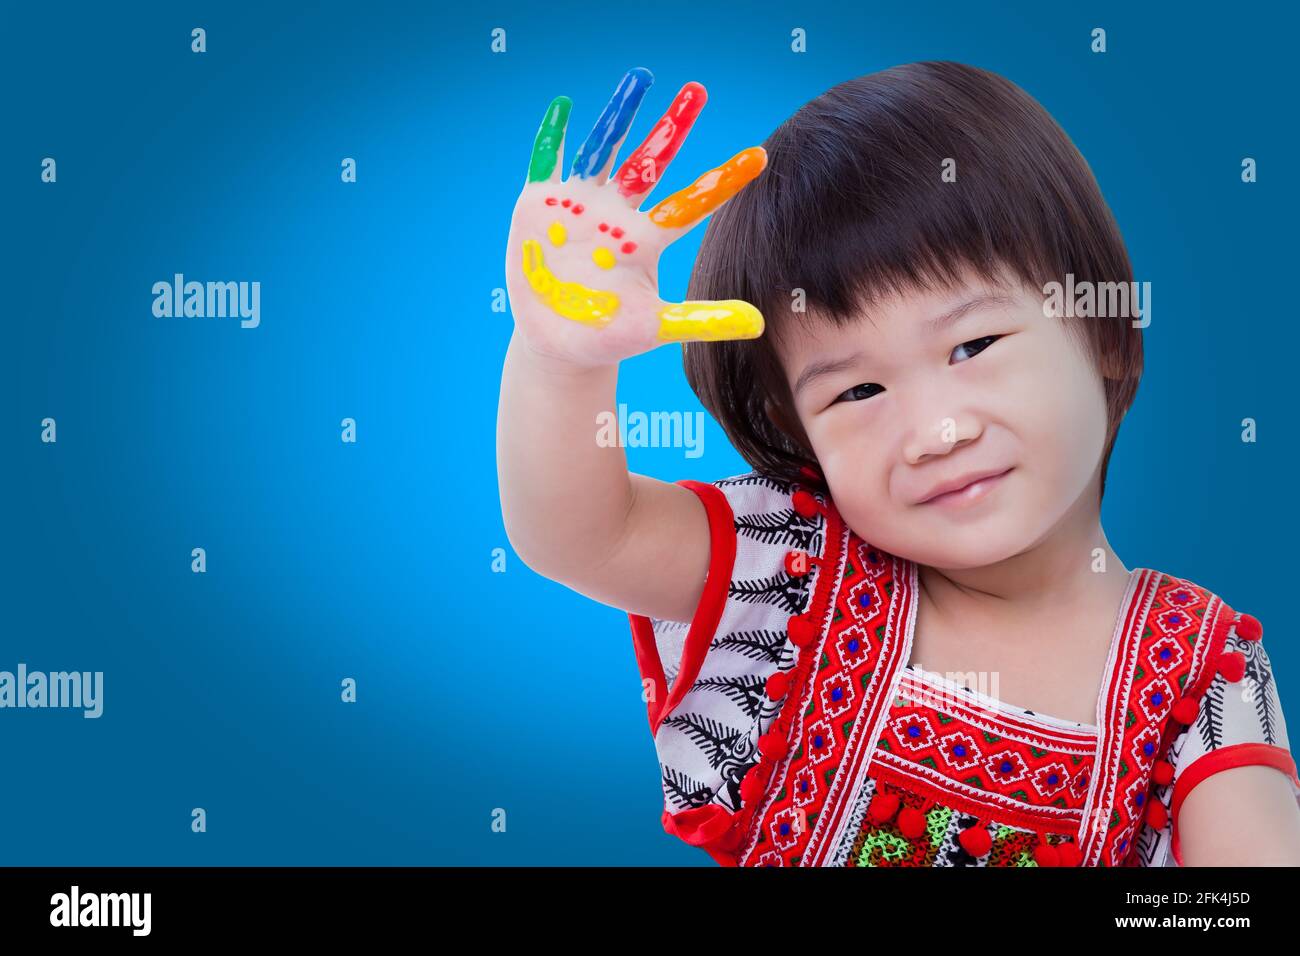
[325, 560]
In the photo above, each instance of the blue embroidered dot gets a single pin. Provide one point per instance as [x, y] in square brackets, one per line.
[803, 786]
[1176, 619]
[959, 750]
[853, 645]
[1052, 778]
[1164, 654]
[1141, 799]
[865, 600]
[1157, 697]
[837, 694]
[913, 731]
[817, 741]
[1123, 844]
[1148, 748]
[785, 829]
[1006, 766]
[1084, 780]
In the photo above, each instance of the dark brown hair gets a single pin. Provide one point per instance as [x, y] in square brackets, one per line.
[852, 207]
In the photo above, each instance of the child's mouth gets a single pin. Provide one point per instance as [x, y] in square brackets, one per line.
[969, 493]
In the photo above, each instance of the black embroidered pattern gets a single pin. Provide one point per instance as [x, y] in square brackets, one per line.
[785, 527]
[769, 521]
[789, 594]
[1259, 678]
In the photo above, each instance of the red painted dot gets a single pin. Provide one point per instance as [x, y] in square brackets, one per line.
[566, 203]
[551, 200]
[577, 210]
[628, 248]
[616, 232]
[604, 227]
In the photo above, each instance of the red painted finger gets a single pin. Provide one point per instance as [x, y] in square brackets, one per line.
[639, 173]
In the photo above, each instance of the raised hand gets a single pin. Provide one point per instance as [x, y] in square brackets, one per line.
[582, 260]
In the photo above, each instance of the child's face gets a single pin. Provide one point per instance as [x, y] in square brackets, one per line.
[921, 407]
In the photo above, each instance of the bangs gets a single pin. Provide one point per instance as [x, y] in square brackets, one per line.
[899, 182]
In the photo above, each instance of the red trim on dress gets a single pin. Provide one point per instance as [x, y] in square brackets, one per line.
[1112, 712]
[708, 827]
[934, 690]
[704, 622]
[942, 792]
[1224, 619]
[753, 814]
[1225, 758]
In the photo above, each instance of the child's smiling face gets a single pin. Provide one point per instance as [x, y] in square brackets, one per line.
[903, 408]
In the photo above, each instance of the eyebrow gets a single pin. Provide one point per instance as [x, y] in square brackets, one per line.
[932, 326]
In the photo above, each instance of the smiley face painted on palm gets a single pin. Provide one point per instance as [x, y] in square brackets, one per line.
[604, 227]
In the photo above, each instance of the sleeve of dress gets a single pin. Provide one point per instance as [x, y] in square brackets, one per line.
[706, 680]
[1239, 722]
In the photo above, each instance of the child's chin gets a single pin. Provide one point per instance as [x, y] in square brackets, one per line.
[963, 549]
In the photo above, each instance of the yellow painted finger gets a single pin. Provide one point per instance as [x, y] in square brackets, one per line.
[573, 300]
[710, 321]
[709, 191]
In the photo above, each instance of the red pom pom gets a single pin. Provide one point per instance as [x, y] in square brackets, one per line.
[773, 746]
[1163, 773]
[975, 840]
[1157, 815]
[804, 503]
[778, 685]
[911, 822]
[797, 563]
[1047, 855]
[883, 807]
[1069, 854]
[1186, 709]
[1249, 628]
[802, 631]
[1232, 666]
[751, 788]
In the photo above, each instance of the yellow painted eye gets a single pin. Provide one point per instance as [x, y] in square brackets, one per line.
[557, 234]
[603, 258]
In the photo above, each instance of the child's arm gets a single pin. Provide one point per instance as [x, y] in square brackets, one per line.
[582, 275]
[572, 510]
[1245, 816]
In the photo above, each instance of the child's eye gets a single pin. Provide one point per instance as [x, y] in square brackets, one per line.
[980, 345]
[857, 393]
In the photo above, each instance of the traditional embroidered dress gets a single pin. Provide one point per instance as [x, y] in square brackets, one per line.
[791, 729]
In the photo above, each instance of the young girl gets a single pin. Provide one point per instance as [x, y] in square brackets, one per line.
[929, 435]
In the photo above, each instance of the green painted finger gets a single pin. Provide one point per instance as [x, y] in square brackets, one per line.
[546, 147]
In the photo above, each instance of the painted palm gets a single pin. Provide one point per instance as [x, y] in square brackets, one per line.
[582, 259]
